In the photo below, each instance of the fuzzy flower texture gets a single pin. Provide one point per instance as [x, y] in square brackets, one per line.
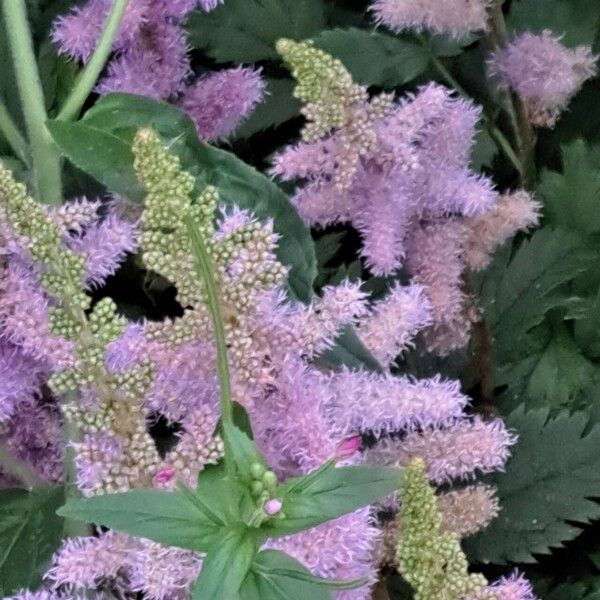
[114, 377]
[151, 59]
[398, 171]
[543, 72]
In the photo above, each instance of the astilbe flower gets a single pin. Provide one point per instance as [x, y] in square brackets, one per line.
[300, 416]
[543, 72]
[399, 173]
[456, 17]
[151, 59]
[218, 102]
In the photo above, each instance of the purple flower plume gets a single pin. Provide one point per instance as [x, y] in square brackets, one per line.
[218, 102]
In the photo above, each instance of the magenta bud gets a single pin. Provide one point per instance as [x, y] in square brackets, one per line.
[163, 476]
[348, 447]
[272, 506]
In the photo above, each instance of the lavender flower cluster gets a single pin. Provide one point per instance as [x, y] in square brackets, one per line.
[398, 170]
[151, 59]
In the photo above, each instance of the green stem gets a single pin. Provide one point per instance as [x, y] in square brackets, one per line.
[495, 133]
[203, 262]
[205, 271]
[44, 153]
[19, 470]
[88, 77]
[13, 136]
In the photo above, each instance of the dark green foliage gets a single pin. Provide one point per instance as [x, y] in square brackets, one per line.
[30, 533]
[244, 31]
[375, 58]
[547, 490]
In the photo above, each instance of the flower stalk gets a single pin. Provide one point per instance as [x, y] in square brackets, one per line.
[44, 153]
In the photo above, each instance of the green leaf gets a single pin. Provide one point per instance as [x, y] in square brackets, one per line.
[546, 489]
[278, 107]
[350, 352]
[572, 198]
[330, 493]
[266, 581]
[243, 450]
[103, 155]
[556, 376]
[516, 292]
[375, 58]
[170, 518]
[275, 563]
[244, 31]
[120, 115]
[30, 533]
[576, 21]
[483, 151]
[226, 565]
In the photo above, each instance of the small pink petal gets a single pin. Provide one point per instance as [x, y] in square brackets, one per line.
[272, 507]
[348, 447]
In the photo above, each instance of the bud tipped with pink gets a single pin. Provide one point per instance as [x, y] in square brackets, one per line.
[272, 506]
[346, 448]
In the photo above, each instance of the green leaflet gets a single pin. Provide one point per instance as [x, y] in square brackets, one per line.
[226, 565]
[571, 198]
[170, 518]
[276, 576]
[375, 58]
[100, 153]
[106, 132]
[555, 376]
[277, 107]
[30, 533]
[549, 480]
[576, 21]
[246, 30]
[517, 291]
[329, 493]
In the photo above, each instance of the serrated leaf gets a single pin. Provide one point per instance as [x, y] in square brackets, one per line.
[517, 291]
[246, 30]
[30, 532]
[170, 518]
[118, 116]
[330, 493]
[557, 376]
[572, 198]
[483, 151]
[278, 107]
[546, 489]
[576, 21]
[375, 58]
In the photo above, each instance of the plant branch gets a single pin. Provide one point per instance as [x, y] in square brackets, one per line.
[13, 136]
[44, 153]
[87, 78]
[19, 470]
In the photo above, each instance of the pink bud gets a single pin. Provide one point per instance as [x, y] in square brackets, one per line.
[348, 447]
[272, 507]
[163, 476]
